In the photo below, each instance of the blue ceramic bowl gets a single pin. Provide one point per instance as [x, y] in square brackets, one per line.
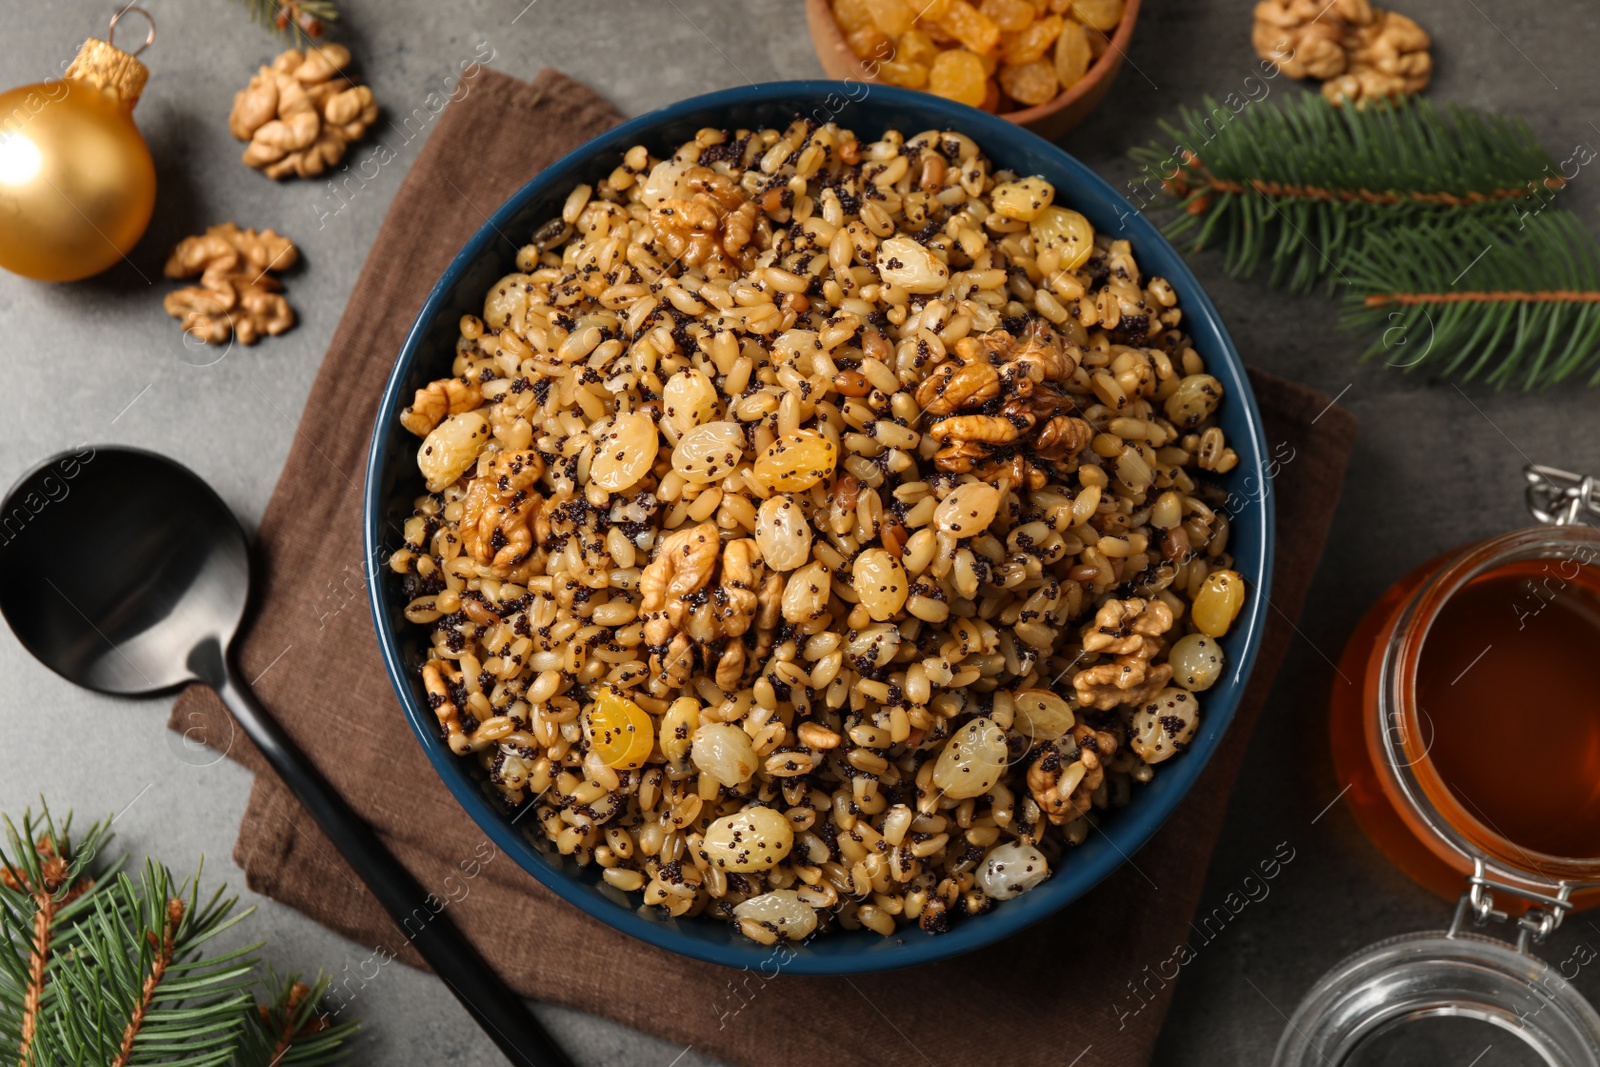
[393, 482]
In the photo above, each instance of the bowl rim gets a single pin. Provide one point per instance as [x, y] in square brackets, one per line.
[1097, 73]
[1134, 825]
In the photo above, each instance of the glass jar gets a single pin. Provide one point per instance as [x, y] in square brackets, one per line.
[1384, 747]
[1383, 739]
[1429, 975]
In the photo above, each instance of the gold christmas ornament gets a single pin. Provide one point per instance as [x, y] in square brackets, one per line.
[77, 184]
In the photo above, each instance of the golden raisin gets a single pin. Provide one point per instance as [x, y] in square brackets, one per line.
[709, 452]
[620, 731]
[968, 510]
[1066, 232]
[852, 15]
[1032, 43]
[796, 461]
[975, 30]
[892, 17]
[906, 75]
[752, 839]
[972, 761]
[868, 43]
[1218, 602]
[880, 583]
[1025, 197]
[1030, 83]
[1072, 55]
[915, 46]
[1009, 15]
[1098, 14]
[625, 453]
[958, 75]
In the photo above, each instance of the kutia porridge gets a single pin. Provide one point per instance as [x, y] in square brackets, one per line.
[815, 533]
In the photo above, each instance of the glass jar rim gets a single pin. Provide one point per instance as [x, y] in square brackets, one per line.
[1431, 974]
[1401, 735]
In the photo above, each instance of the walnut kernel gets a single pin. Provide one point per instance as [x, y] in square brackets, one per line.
[238, 296]
[299, 114]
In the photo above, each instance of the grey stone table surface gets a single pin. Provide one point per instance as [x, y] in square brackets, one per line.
[1436, 465]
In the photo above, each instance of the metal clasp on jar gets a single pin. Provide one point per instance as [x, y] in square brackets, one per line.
[1561, 498]
[1533, 926]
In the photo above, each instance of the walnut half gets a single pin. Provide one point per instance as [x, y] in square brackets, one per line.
[1062, 785]
[1361, 53]
[1388, 58]
[682, 566]
[447, 396]
[1131, 631]
[953, 385]
[237, 295]
[1305, 38]
[300, 113]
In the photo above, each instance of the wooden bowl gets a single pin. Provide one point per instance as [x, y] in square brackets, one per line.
[1049, 120]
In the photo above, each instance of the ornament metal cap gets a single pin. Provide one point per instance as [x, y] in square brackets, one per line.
[105, 66]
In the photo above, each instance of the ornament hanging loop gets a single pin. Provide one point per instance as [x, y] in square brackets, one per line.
[149, 37]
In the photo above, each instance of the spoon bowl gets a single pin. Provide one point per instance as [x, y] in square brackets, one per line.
[124, 572]
[119, 565]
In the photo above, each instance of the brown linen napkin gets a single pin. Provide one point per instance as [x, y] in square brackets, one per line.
[1039, 999]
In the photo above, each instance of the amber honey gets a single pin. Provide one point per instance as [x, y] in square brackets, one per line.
[1466, 717]
[1508, 679]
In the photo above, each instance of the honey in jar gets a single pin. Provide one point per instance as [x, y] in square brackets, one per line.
[1467, 716]
[1466, 726]
[1508, 679]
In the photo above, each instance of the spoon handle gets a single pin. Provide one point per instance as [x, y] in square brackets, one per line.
[499, 1011]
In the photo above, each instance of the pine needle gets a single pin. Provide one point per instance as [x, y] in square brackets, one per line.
[301, 21]
[1295, 186]
[292, 1029]
[1516, 304]
[98, 968]
[153, 993]
[44, 891]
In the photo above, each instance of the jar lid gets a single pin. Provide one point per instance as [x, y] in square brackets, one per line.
[1439, 973]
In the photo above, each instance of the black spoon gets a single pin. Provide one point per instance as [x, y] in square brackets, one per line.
[125, 573]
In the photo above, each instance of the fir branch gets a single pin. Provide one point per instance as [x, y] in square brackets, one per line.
[138, 990]
[292, 1029]
[302, 21]
[112, 971]
[43, 889]
[165, 950]
[1517, 304]
[1296, 186]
